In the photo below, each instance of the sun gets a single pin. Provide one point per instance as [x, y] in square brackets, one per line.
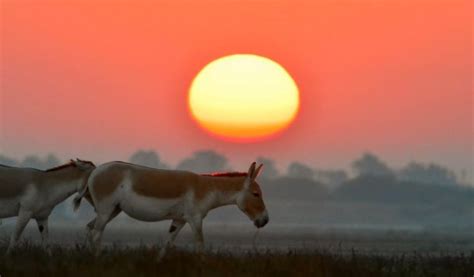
[243, 97]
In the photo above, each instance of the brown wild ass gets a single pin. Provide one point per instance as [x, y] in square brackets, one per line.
[150, 194]
[31, 193]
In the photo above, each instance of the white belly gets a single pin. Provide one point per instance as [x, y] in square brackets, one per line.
[151, 209]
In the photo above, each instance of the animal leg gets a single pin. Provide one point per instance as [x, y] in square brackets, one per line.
[90, 225]
[22, 220]
[175, 227]
[44, 231]
[196, 226]
[89, 228]
[99, 225]
[89, 231]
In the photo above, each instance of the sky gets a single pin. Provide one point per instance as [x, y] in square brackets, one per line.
[101, 79]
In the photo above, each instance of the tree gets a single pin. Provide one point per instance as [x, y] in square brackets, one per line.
[32, 161]
[370, 164]
[51, 161]
[269, 170]
[331, 177]
[204, 161]
[147, 158]
[300, 170]
[4, 160]
[431, 173]
[40, 163]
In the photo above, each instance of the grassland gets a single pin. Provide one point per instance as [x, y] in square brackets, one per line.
[30, 260]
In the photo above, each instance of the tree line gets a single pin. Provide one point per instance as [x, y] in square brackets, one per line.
[204, 161]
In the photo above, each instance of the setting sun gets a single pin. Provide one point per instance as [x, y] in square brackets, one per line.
[243, 97]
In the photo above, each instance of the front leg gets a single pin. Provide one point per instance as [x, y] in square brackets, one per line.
[44, 231]
[21, 221]
[196, 226]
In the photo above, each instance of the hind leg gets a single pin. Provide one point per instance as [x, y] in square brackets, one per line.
[103, 217]
[175, 227]
[22, 220]
[91, 224]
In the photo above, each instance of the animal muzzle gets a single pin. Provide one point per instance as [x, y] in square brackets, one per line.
[261, 220]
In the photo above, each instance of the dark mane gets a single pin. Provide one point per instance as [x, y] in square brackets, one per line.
[60, 167]
[70, 163]
[88, 162]
[226, 174]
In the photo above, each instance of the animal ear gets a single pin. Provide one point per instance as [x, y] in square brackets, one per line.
[257, 171]
[251, 170]
[250, 173]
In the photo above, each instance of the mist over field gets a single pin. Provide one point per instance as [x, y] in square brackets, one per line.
[372, 220]
[371, 196]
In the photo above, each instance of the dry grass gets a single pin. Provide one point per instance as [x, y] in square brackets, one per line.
[30, 260]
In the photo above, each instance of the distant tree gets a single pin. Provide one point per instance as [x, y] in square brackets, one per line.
[370, 164]
[40, 163]
[331, 177]
[4, 160]
[300, 170]
[147, 158]
[51, 161]
[204, 161]
[269, 168]
[33, 161]
[431, 173]
[464, 176]
[290, 190]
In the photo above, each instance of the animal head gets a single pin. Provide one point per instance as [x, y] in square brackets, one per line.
[81, 164]
[250, 200]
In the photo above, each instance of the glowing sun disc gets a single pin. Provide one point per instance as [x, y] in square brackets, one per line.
[243, 97]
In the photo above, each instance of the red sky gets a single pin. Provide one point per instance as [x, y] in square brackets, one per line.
[100, 79]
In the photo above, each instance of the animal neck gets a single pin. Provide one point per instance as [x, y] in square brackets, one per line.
[221, 191]
[61, 184]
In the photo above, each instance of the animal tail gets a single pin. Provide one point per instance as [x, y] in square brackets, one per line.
[77, 200]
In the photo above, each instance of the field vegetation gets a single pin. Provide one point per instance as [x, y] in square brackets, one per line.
[30, 260]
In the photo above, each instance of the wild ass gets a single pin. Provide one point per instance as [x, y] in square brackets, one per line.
[149, 194]
[31, 193]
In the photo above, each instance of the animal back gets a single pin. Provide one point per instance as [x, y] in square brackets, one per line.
[14, 181]
[107, 179]
[163, 184]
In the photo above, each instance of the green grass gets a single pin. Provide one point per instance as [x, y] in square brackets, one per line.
[30, 260]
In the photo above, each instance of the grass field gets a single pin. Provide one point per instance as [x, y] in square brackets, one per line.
[30, 260]
[130, 250]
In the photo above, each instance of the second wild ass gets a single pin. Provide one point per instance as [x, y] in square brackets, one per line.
[150, 194]
[30, 193]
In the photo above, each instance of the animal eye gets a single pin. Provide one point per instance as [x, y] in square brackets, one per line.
[256, 194]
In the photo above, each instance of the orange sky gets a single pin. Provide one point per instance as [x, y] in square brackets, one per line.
[100, 79]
